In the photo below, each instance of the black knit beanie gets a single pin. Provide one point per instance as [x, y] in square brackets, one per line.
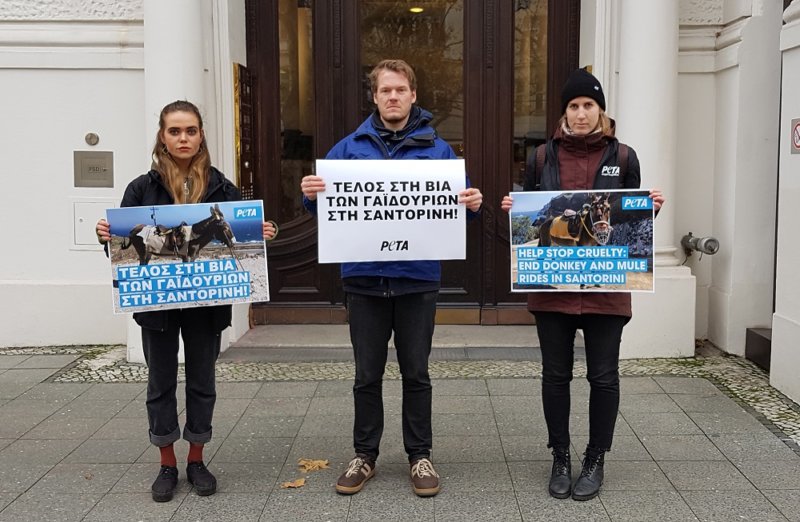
[582, 83]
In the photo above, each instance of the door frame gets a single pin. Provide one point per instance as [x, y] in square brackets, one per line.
[488, 119]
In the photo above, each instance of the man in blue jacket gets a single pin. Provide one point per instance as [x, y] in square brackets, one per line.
[398, 296]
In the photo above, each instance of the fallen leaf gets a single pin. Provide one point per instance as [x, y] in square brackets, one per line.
[299, 483]
[307, 465]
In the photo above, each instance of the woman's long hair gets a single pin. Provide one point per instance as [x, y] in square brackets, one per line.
[170, 173]
[604, 124]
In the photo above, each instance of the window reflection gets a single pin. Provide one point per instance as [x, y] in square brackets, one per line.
[530, 82]
[432, 41]
[297, 101]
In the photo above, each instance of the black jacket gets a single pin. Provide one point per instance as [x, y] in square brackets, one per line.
[551, 181]
[148, 189]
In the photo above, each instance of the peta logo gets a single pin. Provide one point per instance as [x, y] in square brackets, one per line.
[610, 171]
[394, 246]
[636, 203]
[247, 213]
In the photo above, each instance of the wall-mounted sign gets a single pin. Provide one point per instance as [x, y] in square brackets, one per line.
[93, 168]
[796, 136]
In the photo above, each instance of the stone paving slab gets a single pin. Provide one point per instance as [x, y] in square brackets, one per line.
[47, 361]
[732, 505]
[10, 361]
[708, 440]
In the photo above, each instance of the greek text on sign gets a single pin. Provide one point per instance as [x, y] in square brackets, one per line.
[391, 210]
[183, 256]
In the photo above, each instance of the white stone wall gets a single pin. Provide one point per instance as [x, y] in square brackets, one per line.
[786, 320]
[56, 291]
[63, 77]
[69, 68]
[745, 177]
[701, 12]
[729, 87]
[61, 10]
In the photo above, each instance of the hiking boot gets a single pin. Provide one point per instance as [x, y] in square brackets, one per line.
[358, 471]
[166, 482]
[424, 478]
[588, 484]
[561, 474]
[203, 481]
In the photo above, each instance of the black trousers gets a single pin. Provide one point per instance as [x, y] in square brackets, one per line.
[201, 345]
[603, 334]
[372, 321]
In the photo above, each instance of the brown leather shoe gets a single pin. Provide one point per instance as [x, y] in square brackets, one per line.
[424, 478]
[358, 471]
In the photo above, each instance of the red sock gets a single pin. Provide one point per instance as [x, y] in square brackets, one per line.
[195, 453]
[168, 456]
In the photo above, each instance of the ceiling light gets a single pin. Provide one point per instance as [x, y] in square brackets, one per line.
[416, 10]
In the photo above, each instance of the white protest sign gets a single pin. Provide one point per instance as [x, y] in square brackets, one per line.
[391, 210]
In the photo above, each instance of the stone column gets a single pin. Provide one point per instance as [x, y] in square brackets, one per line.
[173, 70]
[785, 363]
[173, 57]
[646, 116]
[647, 103]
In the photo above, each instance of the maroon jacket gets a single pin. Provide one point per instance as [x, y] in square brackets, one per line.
[579, 159]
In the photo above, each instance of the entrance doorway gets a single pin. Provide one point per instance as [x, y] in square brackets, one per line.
[486, 69]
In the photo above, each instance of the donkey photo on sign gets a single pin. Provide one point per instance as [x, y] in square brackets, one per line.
[178, 256]
[182, 241]
[581, 241]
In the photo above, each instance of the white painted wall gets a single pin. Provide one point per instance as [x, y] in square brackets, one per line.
[695, 179]
[745, 176]
[69, 67]
[60, 81]
[785, 364]
[58, 292]
[586, 55]
[697, 59]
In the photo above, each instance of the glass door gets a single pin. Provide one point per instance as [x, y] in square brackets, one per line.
[486, 70]
[429, 35]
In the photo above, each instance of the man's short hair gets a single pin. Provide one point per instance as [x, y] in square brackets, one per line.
[398, 66]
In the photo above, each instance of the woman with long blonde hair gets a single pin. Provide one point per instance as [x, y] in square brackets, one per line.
[181, 173]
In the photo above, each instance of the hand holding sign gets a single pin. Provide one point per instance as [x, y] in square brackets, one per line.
[658, 199]
[471, 198]
[310, 185]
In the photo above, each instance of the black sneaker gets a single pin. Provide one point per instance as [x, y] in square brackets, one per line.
[588, 484]
[561, 474]
[358, 472]
[166, 482]
[203, 481]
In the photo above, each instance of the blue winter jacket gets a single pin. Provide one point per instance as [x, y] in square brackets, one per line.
[366, 143]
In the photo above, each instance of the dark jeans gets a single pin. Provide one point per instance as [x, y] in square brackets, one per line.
[201, 346]
[372, 320]
[602, 334]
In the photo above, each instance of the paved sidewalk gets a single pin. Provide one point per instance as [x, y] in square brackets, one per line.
[698, 439]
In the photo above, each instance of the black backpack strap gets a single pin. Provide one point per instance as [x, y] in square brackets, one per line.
[622, 157]
[537, 175]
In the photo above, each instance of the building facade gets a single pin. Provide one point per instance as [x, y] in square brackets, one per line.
[704, 90]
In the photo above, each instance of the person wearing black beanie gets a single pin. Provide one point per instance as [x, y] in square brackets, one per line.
[582, 154]
[582, 83]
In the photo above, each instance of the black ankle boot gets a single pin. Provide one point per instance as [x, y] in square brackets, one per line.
[588, 484]
[561, 474]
